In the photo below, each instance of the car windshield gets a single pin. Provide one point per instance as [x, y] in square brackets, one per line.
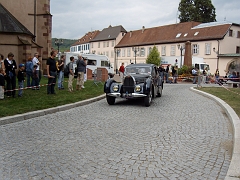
[138, 70]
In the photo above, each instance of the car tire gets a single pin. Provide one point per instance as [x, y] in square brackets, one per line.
[148, 99]
[110, 100]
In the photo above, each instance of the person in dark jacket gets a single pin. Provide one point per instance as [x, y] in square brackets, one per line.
[21, 79]
[51, 73]
[81, 66]
[10, 66]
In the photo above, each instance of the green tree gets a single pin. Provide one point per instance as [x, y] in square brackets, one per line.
[154, 57]
[196, 10]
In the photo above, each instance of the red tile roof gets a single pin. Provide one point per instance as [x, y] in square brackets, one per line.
[168, 34]
[87, 38]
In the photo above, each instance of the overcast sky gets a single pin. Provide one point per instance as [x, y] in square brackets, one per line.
[72, 19]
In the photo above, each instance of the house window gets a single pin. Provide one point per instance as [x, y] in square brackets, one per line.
[142, 52]
[173, 49]
[107, 53]
[98, 44]
[123, 53]
[195, 49]
[238, 49]
[79, 48]
[207, 48]
[149, 50]
[128, 52]
[92, 45]
[112, 43]
[238, 34]
[112, 54]
[104, 44]
[163, 50]
[107, 43]
[230, 33]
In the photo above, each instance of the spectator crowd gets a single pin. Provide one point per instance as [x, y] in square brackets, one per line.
[12, 74]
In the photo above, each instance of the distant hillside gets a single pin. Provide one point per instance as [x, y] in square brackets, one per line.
[65, 46]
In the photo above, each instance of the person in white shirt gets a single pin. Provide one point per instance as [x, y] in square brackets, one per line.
[36, 62]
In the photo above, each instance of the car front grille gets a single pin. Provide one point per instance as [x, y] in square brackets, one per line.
[128, 84]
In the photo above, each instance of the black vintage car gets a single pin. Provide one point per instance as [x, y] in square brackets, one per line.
[140, 81]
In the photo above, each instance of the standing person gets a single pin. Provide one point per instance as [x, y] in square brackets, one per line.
[199, 76]
[81, 65]
[121, 71]
[51, 73]
[71, 74]
[204, 77]
[85, 72]
[21, 79]
[61, 72]
[2, 63]
[216, 76]
[36, 62]
[29, 69]
[10, 66]
[35, 77]
[194, 73]
[167, 74]
[174, 75]
[2, 84]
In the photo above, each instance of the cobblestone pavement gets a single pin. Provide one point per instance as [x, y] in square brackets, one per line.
[182, 135]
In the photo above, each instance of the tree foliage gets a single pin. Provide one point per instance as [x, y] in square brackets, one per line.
[196, 10]
[67, 43]
[153, 57]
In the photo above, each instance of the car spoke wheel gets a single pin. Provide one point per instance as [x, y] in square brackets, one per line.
[148, 99]
[110, 100]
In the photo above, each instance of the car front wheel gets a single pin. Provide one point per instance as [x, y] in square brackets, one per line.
[110, 100]
[148, 99]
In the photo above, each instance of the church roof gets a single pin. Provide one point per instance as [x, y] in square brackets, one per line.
[9, 24]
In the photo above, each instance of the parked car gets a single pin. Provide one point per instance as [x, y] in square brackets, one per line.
[140, 81]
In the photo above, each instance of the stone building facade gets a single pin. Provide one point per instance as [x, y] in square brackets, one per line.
[25, 29]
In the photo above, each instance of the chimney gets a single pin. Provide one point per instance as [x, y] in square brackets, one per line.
[143, 28]
[130, 33]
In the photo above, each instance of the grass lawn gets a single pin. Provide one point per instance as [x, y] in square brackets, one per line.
[39, 99]
[231, 96]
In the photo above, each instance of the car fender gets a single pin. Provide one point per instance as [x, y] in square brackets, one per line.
[107, 85]
[147, 86]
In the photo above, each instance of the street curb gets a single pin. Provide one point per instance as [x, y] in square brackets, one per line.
[25, 116]
[234, 167]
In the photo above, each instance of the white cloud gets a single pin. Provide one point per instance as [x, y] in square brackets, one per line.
[72, 19]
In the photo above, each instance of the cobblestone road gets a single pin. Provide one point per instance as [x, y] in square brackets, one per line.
[182, 135]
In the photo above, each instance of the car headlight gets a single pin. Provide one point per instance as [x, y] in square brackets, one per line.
[115, 88]
[137, 88]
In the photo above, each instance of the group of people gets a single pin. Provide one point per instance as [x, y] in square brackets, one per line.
[8, 73]
[31, 70]
[164, 73]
